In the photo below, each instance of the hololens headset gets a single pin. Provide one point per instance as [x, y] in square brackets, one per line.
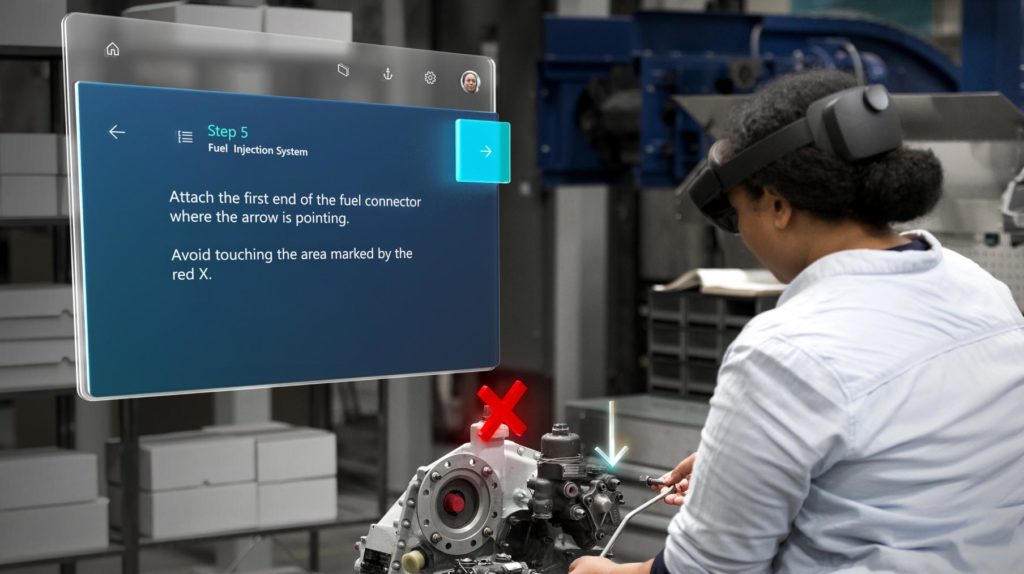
[852, 125]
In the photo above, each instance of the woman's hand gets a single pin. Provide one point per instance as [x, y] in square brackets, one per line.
[680, 477]
[592, 565]
[596, 565]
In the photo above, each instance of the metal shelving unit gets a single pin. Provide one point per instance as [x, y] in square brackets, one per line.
[127, 542]
[64, 395]
[687, 336]
[313, 529]
[64, 398]
[59, 224]
[33, 52]
[133, 543]
[32, 221]
[67, 561]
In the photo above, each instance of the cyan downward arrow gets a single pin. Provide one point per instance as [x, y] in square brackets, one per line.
[614, 458]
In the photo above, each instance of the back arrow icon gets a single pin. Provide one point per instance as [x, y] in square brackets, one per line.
[114, 131]
[486, 151]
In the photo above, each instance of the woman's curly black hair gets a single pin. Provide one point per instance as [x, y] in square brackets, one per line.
[895, 187]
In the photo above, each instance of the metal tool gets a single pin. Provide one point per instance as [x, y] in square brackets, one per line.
[628, 517]
[651, 481]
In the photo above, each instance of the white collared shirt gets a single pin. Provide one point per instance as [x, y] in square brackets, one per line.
[872, 422]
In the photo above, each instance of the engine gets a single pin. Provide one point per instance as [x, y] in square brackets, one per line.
[497, 507]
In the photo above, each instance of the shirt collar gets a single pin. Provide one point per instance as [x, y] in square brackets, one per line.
[867, 262]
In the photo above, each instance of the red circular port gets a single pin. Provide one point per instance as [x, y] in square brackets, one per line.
[454, 502]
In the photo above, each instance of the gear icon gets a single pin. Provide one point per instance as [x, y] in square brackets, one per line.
[430, 77]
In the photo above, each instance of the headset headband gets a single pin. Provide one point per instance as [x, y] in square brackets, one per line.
[852, 125]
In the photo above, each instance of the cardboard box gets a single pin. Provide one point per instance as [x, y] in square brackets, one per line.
[36, 352]
[298, 502]
[247, 429]
[236, 17]
[62, 154]
[43, 300]
[329, 24]
[29, 195]
[192, 511]
[288, 453]
[277, 570]
[32, 377]
[36, 312]
[53, 530]
[28, 154]
[59, 327]
[296, 454]
[32, 22]
[63, 197]
[47, 476]
[188, 459]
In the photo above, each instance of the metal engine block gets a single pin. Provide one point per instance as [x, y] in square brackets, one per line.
[497, 507]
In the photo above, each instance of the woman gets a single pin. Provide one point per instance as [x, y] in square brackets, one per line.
[873, 421]
[470, 82]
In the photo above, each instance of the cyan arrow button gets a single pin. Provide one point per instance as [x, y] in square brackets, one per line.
[482, 151]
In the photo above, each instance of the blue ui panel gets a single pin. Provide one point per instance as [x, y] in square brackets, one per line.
[233, 240]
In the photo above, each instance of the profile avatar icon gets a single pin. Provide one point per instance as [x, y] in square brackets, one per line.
[470, 82]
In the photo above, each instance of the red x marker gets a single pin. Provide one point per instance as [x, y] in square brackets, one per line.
[501, 410]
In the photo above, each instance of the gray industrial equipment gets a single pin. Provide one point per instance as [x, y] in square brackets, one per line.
[659, 431]
[496, 506]
[688, 333]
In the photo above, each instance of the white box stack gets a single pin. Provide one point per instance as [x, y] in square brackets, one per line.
[298, 501]
[50, 504]
[188, 460]
[33, 175]
[45, 477]
[191, 484]
[230, 478]
[29, 154]
[37, 346]
[236, 17]
[191, 512]
[296, 471]
[329, 24]
[32, 22]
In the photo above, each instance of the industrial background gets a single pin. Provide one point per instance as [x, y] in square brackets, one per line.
[606, 122]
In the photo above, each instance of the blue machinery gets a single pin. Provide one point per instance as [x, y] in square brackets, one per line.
[605, 112]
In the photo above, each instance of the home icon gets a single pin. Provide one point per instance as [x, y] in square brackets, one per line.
[112, 50]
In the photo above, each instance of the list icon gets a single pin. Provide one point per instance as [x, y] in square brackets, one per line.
[184, 137]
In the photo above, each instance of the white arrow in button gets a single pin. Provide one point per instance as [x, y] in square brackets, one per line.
[486, 151]
[114, 131]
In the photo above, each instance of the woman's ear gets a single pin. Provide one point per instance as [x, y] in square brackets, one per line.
[781, 208]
